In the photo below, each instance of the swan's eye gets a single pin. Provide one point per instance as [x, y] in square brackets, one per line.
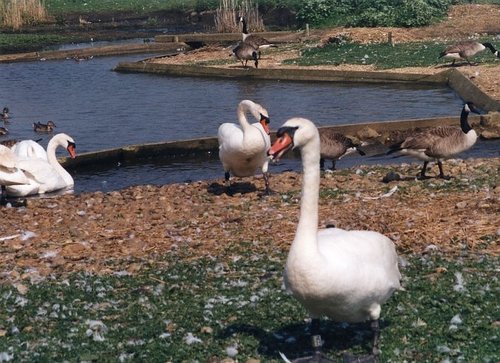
[264, 119]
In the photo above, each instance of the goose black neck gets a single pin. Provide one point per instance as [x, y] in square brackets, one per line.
[464, 123]
[245, 30]
[490, 46]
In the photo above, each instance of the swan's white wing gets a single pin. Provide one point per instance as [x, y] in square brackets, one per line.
[9, 173]
[12, 176]
[43, 173]
[230, 136]
[29, 149]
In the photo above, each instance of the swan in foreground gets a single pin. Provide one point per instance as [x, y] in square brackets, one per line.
[467, 49]
[44, 175]
[343, 275]
[334, 146]
[243, 148]
[439, 143]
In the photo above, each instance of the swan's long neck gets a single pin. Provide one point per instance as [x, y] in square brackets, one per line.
[307, 228]
[52, 159]
[243, 108]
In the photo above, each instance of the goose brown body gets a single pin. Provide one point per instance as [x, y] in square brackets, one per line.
[253, 40]
[466, 49]
[245, 52]
[334, 145]
[439, 143]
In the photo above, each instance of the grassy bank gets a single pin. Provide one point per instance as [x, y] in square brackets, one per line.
[235, 306]
[384, 56]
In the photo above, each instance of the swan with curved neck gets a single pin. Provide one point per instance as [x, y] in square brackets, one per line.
[44, 175]
[343, 275]
[243, 147]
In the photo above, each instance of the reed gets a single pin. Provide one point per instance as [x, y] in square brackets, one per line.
[226, 17]
[17, 13]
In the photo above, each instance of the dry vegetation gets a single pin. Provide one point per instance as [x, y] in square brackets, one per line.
[16, 13]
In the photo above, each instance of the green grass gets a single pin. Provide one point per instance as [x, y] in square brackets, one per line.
[237, 300]
[27, 42]
[384, 56]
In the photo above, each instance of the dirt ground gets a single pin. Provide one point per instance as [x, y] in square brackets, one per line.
[124, 230]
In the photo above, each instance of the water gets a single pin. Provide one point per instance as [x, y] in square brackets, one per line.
[102, 109]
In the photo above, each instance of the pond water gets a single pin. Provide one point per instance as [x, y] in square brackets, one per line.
[104, 109]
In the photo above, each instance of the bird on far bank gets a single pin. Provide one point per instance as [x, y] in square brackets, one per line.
[254, 40]
[343, 275]
[245, 52]
[466, 49]
[3, 131]
[334, 146]
[439, 143]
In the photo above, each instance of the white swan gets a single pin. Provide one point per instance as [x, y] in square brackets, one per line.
[9, 172]
[243, 147]
[344, 275]
[29, 149]
[44, 175]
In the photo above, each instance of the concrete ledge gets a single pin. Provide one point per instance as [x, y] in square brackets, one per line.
[281, 73]
[210, 145]
[94, 51]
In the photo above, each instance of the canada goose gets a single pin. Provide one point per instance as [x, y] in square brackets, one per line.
[254, 40]
[334, 146]
[246, 52]
[3, 131]
[466, 49]
[439, 143]
[48, 127]
[44, 175]
[243, 147]
[343, 275]
[5, 114]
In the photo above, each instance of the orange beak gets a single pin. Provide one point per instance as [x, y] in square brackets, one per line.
[71, 150]
[280, 146]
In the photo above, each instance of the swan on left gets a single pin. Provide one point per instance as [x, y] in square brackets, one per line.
[243, 147]
[27, 169]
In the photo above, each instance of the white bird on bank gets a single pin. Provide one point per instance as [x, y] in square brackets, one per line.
[243, 148]
[44, 175]
[343, 275]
